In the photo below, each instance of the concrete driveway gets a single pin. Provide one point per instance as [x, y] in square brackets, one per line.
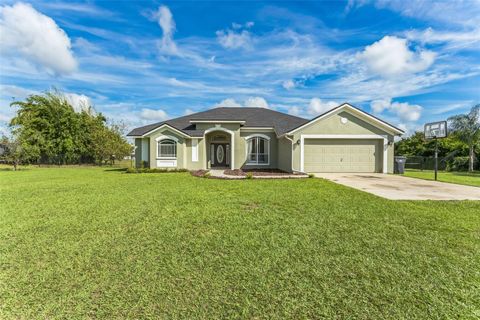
[397, 187]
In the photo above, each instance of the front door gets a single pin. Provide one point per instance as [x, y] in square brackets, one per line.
[219, 154]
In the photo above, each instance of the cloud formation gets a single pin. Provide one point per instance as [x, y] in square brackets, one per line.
[391, 57]
[237, 37]
[318, 106]
[153, 114]
[165, 20]
[403, 110]
[79, 102]
[25, 31]
[251, 102]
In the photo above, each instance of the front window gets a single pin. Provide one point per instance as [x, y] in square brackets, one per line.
[258, 149]
[167, 148]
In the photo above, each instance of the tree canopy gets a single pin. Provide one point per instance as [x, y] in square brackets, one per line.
[49, 130]
[463, 140]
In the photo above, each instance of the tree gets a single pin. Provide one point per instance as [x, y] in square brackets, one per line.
[417, 145]
[467, 128]
[49, 130]
[13, 152]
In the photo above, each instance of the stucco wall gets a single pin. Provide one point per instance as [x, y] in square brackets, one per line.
[355, 125]
[284, 154]
[195, 165]
[181, 147]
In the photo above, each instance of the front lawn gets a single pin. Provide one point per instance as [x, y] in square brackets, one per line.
[80, 243]
[469, 179]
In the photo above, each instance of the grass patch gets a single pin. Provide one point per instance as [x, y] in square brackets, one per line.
[81, 243]
[465, 178]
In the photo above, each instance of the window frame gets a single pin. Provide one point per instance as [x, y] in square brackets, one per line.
[257, 137]
[174, 143]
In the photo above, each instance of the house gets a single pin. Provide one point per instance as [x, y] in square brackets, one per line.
[344, 139]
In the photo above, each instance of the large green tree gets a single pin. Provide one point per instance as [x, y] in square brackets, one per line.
[467, 128]
[49, 130]
[417, 145]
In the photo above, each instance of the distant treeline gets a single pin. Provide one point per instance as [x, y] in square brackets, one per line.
[47, 130]
[458, 151]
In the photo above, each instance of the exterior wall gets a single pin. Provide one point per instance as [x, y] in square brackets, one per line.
[181, 148]
[333, 125]
[284, 154]
[141, 152]
[200, 163]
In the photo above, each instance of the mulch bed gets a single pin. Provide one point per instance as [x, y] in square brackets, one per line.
[198, 173]
[257, 172]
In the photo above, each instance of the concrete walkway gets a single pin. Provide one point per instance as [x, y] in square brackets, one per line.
[396, 187]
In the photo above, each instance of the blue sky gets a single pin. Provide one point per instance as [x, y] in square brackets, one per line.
[408, 62]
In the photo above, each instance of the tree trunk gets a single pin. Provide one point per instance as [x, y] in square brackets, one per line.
[470, 162]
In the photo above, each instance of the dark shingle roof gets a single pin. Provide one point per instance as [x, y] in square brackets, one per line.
[253, 117]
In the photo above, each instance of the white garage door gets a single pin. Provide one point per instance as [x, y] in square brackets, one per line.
[341, 155]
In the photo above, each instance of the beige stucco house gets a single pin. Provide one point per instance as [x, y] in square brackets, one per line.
[344, 139]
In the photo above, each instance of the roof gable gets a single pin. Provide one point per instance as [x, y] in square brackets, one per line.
[355, 111]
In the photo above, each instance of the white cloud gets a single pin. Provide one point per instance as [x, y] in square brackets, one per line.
[463, 13]
[36, 37]
[288, 84]
[18, 93]
[4, 118]
[235, 38]
[294, 111]
[153, 114]
[378, 106]
[256, 102]
[469, 38]
[251, 102]
[228, 103]
[166, 22]
[188, 111]
[391, 57]
[79, 102]
[317, 106]
[404, 110]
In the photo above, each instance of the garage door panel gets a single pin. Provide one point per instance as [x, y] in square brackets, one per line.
[340, 155]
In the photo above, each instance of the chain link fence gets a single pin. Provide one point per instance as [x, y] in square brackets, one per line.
[425, 163]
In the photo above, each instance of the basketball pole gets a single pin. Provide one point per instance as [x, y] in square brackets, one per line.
[436, 158]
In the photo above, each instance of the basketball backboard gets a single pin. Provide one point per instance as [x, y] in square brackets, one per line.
[436, 130]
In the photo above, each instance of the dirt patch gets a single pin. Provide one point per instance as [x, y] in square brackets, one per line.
[251, 206]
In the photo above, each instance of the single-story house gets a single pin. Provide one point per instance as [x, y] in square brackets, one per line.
[344, 139]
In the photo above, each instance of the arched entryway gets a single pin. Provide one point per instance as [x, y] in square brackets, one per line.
[220, 148]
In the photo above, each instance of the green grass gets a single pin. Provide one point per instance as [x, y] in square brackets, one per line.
[469, 179]
[80, 243]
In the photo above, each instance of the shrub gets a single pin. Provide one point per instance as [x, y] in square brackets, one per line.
[131, 170]
[458, 164]
[249, 175]
[311, 175]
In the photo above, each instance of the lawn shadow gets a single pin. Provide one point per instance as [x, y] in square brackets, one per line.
[116, 169]
[11, 169]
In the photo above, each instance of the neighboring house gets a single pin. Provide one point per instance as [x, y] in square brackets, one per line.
[344, 139]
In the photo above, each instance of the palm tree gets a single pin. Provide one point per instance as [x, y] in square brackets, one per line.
[467, 128]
